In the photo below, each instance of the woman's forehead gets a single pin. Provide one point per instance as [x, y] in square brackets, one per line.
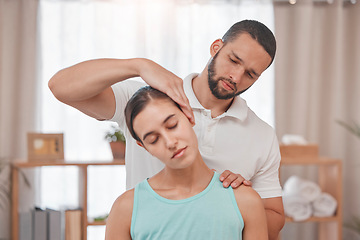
[163, 104]
[156, 111]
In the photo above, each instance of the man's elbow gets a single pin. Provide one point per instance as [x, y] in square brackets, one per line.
[57, 88]
[53, 85]
[281, 220]
[276, 221]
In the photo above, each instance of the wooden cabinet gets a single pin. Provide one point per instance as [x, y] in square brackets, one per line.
[329, 173]
[83, 190]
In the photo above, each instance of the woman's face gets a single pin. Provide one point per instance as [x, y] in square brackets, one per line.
[167, 134]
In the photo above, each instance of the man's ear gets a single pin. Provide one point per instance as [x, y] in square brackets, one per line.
[216, 46]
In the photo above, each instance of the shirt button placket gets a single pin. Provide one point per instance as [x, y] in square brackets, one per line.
[208, 140]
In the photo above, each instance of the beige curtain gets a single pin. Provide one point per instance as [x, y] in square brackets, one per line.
[18, 88]
[318, 82]
[17, 83]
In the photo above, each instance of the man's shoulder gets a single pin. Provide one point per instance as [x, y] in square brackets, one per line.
[123, 91]
[256, 119]
[131, 84]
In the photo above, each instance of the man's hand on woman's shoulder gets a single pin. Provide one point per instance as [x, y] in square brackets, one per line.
[235, 180]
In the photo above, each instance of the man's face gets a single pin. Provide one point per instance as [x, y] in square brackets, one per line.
[236, 66]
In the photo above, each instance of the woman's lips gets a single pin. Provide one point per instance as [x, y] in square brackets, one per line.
[179, 153]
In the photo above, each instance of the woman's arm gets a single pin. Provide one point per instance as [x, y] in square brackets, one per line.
[253, 213]
[119, 221]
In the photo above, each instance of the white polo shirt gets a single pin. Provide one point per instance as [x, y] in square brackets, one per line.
[237, 140]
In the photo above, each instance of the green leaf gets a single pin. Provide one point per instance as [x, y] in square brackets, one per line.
[353, 128]
[354, 225]
[115, 135]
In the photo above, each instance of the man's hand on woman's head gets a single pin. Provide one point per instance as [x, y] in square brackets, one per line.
[235, 180]
[167, 82]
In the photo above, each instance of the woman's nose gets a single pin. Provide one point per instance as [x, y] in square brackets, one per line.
[170, 141]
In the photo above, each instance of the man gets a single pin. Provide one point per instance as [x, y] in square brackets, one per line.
[232, 139]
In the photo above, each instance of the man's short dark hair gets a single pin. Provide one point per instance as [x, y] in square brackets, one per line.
[257, 30]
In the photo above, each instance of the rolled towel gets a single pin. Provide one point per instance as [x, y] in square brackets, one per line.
[289, 139]
[307, 190]
[298, 208]
[324, 206]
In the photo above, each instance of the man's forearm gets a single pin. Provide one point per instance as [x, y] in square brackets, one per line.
[87, 79]
[86, 86]
[275, 222]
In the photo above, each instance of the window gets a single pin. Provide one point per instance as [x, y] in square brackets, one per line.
[176, 34]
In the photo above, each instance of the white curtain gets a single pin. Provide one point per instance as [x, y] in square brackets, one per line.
[175, 33]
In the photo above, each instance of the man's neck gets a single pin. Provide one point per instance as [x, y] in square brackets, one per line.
[204, 95]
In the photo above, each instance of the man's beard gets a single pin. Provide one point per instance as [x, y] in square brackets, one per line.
[217, 91]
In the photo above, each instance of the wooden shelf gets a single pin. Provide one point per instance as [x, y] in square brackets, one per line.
[309, 161]
[83, 188]
[22, 164]
[329, 179]
[97, 223]
[314, 219]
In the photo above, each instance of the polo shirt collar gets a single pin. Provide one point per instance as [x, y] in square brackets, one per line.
[238, 108]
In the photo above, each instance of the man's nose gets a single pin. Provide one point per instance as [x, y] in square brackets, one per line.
[237, 74]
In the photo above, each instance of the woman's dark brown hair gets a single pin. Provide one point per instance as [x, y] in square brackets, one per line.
[138, 102]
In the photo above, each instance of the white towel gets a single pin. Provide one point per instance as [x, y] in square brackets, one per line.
[289, 139]
[324, 206]
[297, 207]
[307, 190]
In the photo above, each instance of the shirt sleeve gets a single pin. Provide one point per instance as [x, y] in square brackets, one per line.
[123, 91]
[266, 181]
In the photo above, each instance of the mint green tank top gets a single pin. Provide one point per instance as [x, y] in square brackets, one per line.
[211, 214]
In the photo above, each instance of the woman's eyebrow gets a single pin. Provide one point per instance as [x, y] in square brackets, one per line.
[166, 119]
[151, 132]
[147, 134]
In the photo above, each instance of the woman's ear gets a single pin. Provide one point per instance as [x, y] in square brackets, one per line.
[140, 144]
[216, 46]
[192, 123]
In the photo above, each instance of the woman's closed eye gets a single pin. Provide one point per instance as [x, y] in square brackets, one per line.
[172, 126]
[152, 139]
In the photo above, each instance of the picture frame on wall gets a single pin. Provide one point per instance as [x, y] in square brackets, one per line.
[45, 146]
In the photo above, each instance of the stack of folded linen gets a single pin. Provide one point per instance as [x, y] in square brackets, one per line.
[297, 208]
[324, 206]
[303, 199]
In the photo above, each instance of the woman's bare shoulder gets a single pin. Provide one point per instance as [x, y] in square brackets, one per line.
[119, 221]
[247, 197]
[125, 200]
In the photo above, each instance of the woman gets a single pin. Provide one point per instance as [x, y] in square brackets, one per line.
[186, 199]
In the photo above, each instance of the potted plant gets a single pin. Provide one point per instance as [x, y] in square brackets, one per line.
[355, 221]
[5, 196]
[354, 128]
[116, 139]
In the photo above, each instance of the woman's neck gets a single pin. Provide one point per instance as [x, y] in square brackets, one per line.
[182, 183]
